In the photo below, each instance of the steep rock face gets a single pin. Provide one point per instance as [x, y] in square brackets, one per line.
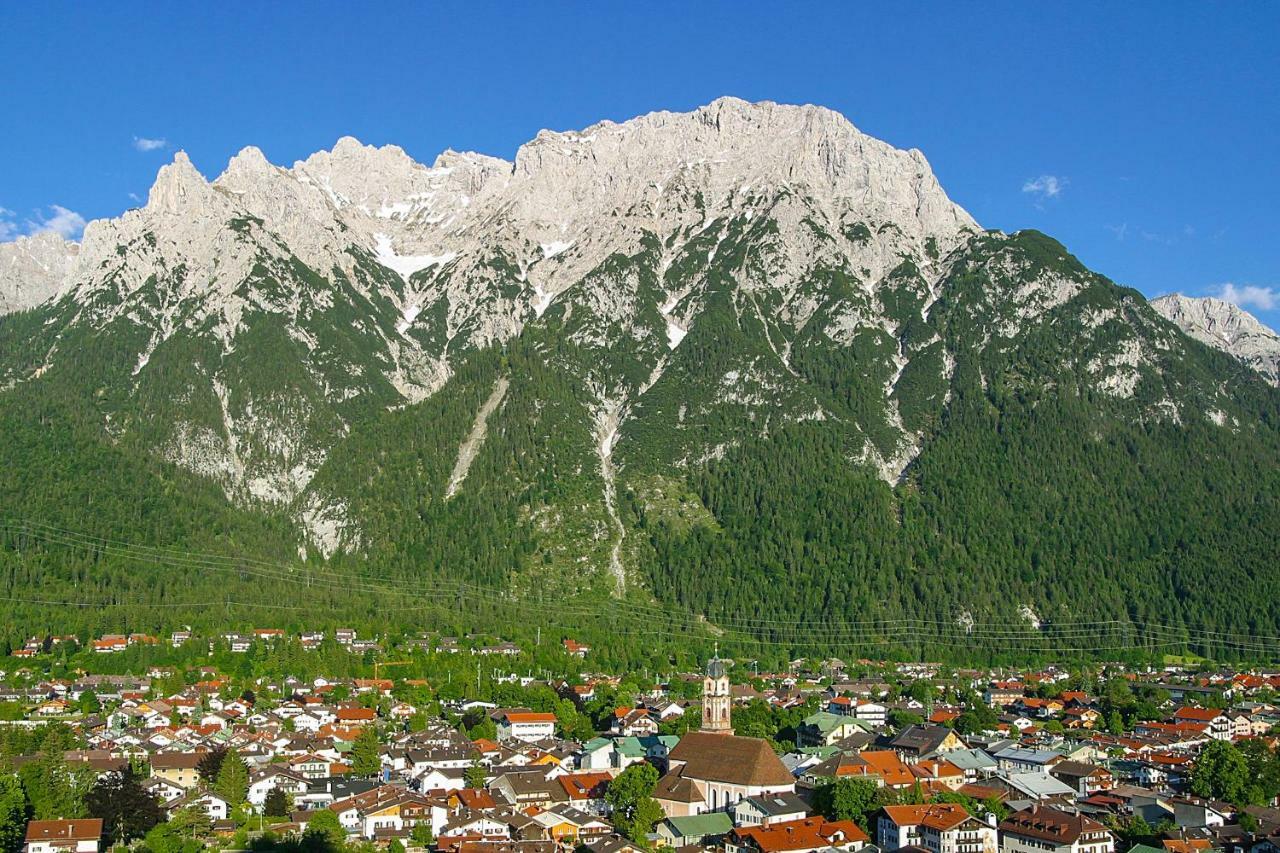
[1226, 327]
[32, 269]
[401, 359]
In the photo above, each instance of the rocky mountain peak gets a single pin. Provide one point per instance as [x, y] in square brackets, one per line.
[1226, 327]
[732, 148]
[178, 188]
[249, 160]
[32, 269]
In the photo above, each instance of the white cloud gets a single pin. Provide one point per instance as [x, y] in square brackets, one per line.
[1045, 186]
[142, 143]
[65, 222]
[8, 229]
[1246, 295]
[1121, 231]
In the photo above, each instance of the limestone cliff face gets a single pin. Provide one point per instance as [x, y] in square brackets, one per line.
[690, 281]
[1226, 327]
[32, 269]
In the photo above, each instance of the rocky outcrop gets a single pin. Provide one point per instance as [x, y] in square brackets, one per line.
[32, 269]
[1227, 327]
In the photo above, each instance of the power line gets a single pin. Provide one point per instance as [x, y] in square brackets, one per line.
[833, 633]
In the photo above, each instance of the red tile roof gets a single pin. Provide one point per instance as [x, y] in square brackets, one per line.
[804, 834]
[89, 829]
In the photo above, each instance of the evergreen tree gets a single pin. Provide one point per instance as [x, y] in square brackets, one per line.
[192, 823]
[475, 773]
[13, 814]
[232, 783]
[366, 753]
[210, 764]
[53, 789]
[276, 803]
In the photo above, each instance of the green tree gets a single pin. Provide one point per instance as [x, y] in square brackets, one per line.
[475, 774]
[192, 823]
[366, 753]
[163, 838]
[324, 832]
[89, 703]
[1264, 771]
[630, 795]
[847, 799]
[53, 789]
[1221, 773]
[232, 783]
[276, 803]
[210, 764]
[971, 805]
[900, 719]
[977, 716]
[126, 810]
[13, 814]
[421, 836]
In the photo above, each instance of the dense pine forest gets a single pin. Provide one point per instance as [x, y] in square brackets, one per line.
[1040, 515]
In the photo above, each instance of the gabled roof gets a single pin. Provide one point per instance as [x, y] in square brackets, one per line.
[941, 816]
[675, 788]
[89, 829]
[921, 739]
[527, 717]
[1046, 823]
[805, 834]
[731, 759]
[1201, 715]
[176, 760]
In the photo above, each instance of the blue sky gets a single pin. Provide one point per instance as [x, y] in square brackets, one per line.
[1142, 135]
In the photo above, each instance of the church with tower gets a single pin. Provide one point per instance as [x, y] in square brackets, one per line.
[712, 769]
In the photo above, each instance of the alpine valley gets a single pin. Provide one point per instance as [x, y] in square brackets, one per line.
[746, 366]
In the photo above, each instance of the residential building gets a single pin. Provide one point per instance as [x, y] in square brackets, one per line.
[797, 836]
[1044, 828]
[527, 726]
[64, 836]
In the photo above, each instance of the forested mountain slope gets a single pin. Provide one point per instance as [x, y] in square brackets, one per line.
[745, 364]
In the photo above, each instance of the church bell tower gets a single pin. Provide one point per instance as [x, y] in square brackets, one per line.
[715, 698]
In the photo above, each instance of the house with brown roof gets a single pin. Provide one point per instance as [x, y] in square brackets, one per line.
[797, 836]
[924, 741]
[937, 827]
[64, 836]
[180, 768]
[1084, 778]
[1218, 722]
[1044, 828]
[711, 772]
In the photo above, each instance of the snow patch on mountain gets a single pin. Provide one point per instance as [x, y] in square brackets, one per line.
[406, 265]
